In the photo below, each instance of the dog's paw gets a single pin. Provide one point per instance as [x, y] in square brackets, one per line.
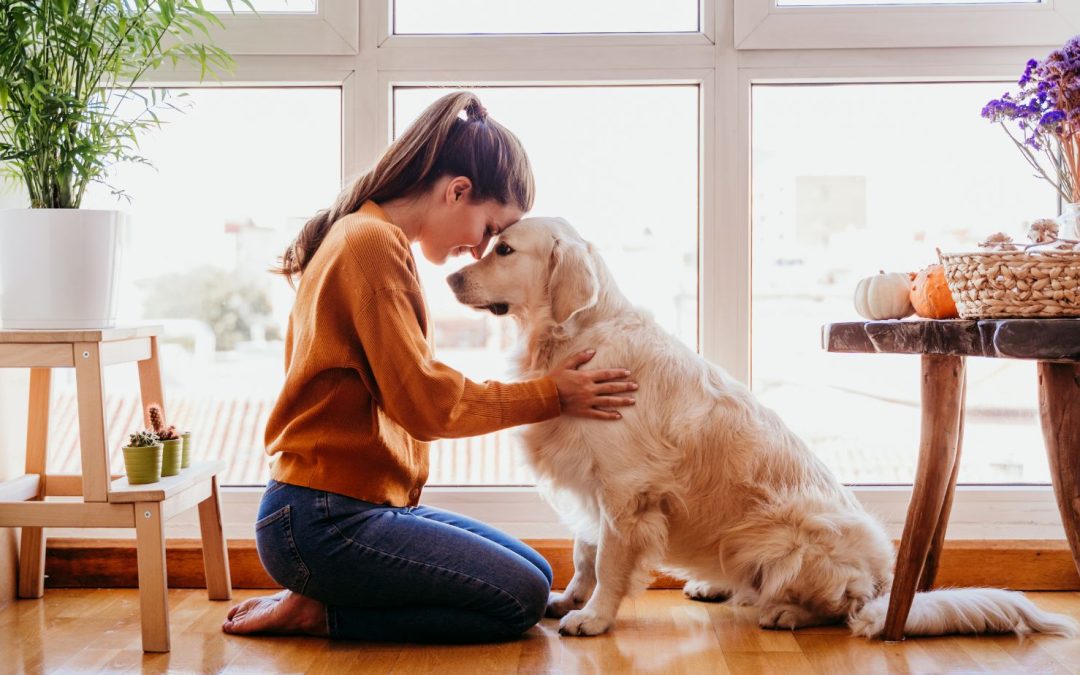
[559, 604]
[702, 591]
[787, 617]
[583, 622]
[743, 598]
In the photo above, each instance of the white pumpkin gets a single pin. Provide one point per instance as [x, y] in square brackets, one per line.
[884, 296]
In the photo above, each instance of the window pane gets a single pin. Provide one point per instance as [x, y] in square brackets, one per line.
[551, 16]
[621, 164]
[895, 3]
[236, 176]
[889, 173]
[265, 6]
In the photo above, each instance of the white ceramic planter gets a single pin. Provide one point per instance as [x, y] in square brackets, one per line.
[59, 268]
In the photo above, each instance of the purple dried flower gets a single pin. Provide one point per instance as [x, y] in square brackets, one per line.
[1031, 65]
[1046, 111]
[1053, 117]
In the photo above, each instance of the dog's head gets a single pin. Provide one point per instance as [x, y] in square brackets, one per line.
[537, 266]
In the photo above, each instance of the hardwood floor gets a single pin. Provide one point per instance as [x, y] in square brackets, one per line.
[97, 630]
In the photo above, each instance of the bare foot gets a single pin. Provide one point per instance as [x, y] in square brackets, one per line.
[285, 613]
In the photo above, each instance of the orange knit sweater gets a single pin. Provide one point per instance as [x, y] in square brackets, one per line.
[362, 391]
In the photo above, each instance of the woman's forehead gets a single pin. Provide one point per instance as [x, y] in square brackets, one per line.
[503, 215]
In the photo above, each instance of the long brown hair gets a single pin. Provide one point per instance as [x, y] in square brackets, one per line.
[437, 144]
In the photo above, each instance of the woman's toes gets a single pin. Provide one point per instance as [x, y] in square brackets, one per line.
[254, 615]
[282, 613]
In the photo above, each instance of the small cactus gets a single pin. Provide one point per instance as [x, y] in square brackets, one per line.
[157, 417]
[169, 433]
[165, 432]
[142, 439]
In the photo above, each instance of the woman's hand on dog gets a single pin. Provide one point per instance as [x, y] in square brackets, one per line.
[591, 393]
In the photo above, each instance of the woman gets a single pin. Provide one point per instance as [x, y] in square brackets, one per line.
[340, 525]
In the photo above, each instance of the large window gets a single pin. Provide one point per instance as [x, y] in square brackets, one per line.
[897, 3]
[551, 16]
[890, 173]
[756, 157]
[621, 164]
[263, 6]
[235, 175]
[919, 24]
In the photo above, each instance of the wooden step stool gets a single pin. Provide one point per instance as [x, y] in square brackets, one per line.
[107, 500]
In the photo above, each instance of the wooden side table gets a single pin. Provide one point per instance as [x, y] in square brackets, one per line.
[107, 500]
[944, 345]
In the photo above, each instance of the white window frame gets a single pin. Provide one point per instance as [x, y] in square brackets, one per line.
[761, 24]
[725, 72]
[332, 29]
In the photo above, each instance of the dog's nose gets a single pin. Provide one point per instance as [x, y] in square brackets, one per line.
[456, 281]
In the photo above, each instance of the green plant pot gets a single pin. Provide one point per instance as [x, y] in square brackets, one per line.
[186, 461]
[143, 464]
[171, 456]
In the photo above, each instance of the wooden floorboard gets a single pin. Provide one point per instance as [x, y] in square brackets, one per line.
[97, 630]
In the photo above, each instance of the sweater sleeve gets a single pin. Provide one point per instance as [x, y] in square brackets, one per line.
[427, 398]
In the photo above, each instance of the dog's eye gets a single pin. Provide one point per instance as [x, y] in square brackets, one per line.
[503, 249]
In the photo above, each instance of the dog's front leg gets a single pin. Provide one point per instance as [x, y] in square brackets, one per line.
[581, 586]
[623, 559]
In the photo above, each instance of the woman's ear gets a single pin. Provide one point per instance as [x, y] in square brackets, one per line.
[457, 189]
[573, 285]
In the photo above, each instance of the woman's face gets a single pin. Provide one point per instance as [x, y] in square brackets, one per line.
[457, 225]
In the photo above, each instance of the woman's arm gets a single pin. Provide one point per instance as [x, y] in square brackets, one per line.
[431, 400]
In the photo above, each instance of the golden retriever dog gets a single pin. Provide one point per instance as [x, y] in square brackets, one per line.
[698, 479]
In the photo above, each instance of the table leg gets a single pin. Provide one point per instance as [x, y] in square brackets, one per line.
[93, 443]
[942, 402]
[215, 549]
[933, 559]
[150, 390]
[153, 584]
[32, 544]
[1059, 401]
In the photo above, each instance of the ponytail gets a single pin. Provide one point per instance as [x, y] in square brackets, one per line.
[437, 144]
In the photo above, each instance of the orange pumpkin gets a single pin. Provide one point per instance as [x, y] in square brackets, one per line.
[930, 294]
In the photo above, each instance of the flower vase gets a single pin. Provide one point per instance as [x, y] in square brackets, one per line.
[1069, 221]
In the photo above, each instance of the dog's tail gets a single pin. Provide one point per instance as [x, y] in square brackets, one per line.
[964, 610]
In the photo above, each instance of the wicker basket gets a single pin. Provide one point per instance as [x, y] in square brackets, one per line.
[1002, 284]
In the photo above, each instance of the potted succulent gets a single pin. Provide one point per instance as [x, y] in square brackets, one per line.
[142, 458]
[185, 461]
[172, 452]
[66, 66]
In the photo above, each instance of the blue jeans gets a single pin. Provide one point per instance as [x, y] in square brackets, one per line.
[412, 574]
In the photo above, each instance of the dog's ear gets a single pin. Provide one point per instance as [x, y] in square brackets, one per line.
[573, 285]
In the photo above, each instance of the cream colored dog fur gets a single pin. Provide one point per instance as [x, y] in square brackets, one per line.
[698, 479]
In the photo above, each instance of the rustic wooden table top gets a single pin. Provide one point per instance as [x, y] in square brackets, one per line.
[1038, 339]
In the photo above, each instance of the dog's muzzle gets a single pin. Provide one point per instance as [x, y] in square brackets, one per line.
[457, 285]
[456, 281]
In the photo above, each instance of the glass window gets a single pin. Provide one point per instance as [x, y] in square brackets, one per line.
[852, 179]
[898, 3]
[265, 6]
[621, 164]
[234, 178]
[551, 16]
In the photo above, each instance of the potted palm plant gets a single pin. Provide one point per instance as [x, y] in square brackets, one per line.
[66, 68]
